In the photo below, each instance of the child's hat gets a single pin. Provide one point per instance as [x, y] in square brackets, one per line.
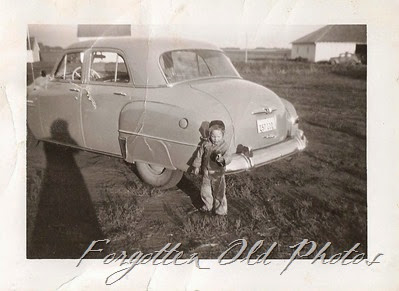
[216, 124]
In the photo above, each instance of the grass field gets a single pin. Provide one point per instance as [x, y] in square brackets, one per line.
[319, 194]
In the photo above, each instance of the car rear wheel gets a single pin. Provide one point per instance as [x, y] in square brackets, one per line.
[158, 176]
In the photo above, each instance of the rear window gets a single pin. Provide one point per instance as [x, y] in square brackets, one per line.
[182, 65]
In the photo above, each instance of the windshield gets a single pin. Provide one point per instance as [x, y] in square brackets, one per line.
[185, 65]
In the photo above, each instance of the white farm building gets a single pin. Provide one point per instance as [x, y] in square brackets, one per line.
[330, 41]
[33, 54]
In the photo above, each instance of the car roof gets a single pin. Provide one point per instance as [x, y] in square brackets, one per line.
[156, 43]
[142, 53]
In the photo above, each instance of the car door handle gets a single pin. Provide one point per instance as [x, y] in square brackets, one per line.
[120, 93]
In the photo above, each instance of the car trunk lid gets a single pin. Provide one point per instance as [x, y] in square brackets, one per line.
[258, 114]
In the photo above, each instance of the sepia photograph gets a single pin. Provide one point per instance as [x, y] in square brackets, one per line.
[213, 145]
[145, 139]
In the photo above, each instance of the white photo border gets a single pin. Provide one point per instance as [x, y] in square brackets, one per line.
[382, 145]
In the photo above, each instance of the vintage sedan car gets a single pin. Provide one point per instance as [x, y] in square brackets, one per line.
[149, 102]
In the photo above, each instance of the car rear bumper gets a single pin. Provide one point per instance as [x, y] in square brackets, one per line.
[260, 157]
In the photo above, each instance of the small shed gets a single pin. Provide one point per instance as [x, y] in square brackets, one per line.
[90, 31]
[330, 41]
[33, 54]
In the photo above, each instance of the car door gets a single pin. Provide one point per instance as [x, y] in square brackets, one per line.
[109, 88]
[60, 101]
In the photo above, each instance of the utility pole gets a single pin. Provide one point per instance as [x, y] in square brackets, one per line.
[246, 47]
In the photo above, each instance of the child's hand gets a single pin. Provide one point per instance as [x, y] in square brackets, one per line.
[219, 158]
[196, 171]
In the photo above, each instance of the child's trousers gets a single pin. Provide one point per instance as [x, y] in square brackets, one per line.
[213, 193]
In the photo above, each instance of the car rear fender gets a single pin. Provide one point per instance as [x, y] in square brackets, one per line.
[164, 134]
[136, 141]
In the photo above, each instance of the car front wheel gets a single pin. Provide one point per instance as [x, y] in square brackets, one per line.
[158, 176]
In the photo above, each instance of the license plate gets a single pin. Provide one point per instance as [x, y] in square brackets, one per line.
[267, 124]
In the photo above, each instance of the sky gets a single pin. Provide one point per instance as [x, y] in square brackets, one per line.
[222, 35]
[225, 23]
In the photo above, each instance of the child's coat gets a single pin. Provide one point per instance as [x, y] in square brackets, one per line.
[213, 189]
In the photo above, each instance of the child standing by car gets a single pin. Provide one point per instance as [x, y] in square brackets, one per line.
[212, 158]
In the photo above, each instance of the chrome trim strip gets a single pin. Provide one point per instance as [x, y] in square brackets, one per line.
[266, 110]
[157, 138]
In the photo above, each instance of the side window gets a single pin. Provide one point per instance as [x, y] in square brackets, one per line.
[108, 67]
[70, 67]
